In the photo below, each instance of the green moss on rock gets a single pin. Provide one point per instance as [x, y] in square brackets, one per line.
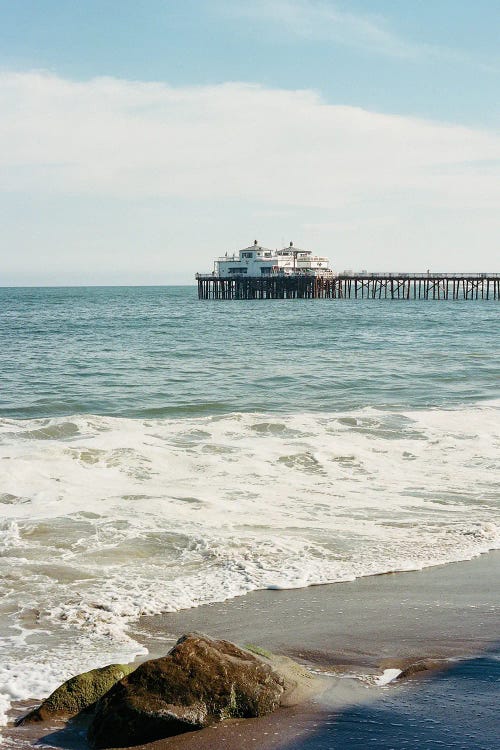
[258, 650]
[79, 692]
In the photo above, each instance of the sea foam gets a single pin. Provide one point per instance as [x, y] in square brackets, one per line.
[105, 519]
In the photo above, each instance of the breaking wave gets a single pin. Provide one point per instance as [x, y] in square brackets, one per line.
[105, 519]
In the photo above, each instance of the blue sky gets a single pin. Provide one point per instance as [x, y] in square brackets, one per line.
[438, 58]
[140, 139]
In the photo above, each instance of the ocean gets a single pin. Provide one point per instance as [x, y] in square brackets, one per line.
[158, 452]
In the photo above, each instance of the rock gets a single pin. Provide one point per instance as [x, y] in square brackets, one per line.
[424, 665]
[299, 683]
[201, 681]
[78, 693]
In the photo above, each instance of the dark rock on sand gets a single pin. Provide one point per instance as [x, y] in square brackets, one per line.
[78, 693]
[424, 665]
[201, 681]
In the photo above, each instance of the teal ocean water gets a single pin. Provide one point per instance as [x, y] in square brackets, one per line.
[158, 452]
[158, 352]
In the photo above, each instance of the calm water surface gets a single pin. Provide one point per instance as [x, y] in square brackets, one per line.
[159, 351]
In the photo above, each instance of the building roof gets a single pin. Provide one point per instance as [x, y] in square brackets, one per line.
[255, 246]
[292, 249]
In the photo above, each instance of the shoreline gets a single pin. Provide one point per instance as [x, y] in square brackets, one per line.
[443, 611]
[353, 629]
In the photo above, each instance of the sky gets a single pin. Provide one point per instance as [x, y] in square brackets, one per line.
[139, 140]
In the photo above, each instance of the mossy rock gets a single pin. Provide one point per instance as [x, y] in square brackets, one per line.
[200, 682]
[79, 693]
[424, 665]
[258, 650]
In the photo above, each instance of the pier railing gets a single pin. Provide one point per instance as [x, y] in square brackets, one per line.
[421, 275]
[361, 285]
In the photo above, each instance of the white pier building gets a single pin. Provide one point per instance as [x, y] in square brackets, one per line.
[258, 261]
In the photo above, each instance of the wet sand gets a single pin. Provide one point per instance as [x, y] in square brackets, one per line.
[359, 627]
[445, 611]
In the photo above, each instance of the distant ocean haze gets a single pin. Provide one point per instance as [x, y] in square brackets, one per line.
[158, 452]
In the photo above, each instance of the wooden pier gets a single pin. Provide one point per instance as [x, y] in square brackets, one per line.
[352, 286]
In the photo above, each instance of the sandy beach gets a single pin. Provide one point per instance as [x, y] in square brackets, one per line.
[352, 630]
[444, 611]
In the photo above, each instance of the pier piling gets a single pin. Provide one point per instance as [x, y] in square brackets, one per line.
[352, 286]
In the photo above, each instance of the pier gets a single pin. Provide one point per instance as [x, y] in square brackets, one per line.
[404, 286]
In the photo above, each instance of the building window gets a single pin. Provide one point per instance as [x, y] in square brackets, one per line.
[237, 270]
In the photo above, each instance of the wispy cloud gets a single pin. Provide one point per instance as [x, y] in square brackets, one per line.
[322, 20]
[315, 19]
[137, 139]
[402, 188]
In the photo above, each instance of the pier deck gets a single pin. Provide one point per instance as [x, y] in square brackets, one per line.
[352, 286]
